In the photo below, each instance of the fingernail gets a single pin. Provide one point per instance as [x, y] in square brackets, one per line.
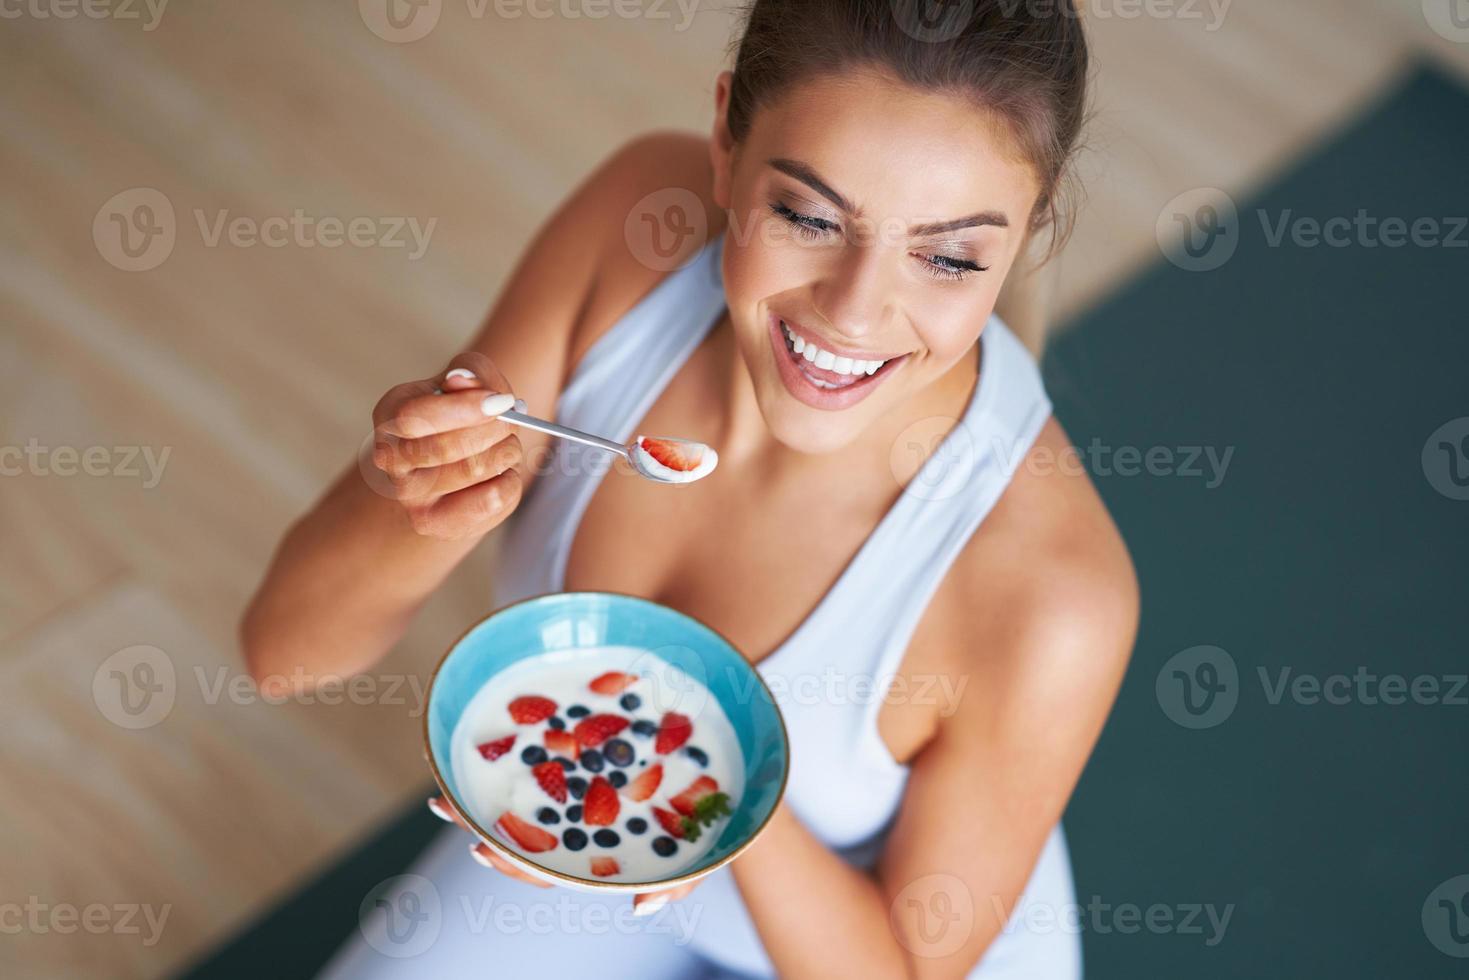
[650, 905]
[479, 856]
[520, 405]
[438, 809]
[497, 403]
[460, 373]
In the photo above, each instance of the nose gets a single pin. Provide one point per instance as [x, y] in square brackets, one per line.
[854, 294]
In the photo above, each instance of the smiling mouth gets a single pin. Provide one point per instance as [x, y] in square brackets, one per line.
[827, 370]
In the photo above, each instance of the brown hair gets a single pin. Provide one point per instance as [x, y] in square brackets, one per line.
[1025, 60]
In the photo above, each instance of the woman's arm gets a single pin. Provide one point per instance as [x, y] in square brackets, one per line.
[984, 794]
[351, 573]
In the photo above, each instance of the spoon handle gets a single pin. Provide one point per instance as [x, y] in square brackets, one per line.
[561, 431]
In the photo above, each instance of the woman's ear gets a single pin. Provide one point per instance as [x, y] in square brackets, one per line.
[721, 143]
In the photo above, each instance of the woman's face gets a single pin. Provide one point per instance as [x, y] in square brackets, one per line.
[874, 223]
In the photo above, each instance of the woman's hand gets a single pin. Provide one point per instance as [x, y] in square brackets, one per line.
[644, 903]
[441, 453]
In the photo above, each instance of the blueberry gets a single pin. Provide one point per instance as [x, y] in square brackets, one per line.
[663, 846]
[607, 838]
[577, 786]
[574, 838]
[636, 825]
[617, 778]
[573, 813]
[533, 755]
[578, 711]
[565, 763]
[556, 722]
[591, 760]
[645, 728]
[629, 701]
[697, 754]
[618, 752]
[547, 815]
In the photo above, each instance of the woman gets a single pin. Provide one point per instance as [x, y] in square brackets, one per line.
[872, 179]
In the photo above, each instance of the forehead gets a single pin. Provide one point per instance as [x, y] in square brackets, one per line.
[892, 149]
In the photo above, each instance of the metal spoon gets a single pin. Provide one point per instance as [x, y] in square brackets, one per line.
[633, 452]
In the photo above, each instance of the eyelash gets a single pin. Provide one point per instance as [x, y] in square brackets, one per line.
[939, 266]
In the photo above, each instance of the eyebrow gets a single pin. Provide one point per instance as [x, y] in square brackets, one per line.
[809, 177]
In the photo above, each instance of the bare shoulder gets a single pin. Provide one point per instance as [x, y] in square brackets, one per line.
[1047, 586]
[652, 204]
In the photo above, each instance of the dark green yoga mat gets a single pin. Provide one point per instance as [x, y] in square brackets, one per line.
[1328, 833]
[1326, 550]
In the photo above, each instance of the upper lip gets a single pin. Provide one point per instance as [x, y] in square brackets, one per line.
[839, 351]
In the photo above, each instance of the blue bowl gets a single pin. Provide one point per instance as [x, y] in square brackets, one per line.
[576, 620]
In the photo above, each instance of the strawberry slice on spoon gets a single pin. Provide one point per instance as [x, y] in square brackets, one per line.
[662, 460]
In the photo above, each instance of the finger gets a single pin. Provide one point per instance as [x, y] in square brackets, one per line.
[472, 369]
[460, 379]
[482, 853]
[397, 395]
[427, 414]
[440, 809]
[471, 509]
[646, 903]
[452, 477]
[399, 457]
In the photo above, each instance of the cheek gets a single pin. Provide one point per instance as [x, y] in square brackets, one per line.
[754, 273]
[948, 321]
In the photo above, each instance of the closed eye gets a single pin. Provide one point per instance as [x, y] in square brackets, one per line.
[948, 267]
[807, 225]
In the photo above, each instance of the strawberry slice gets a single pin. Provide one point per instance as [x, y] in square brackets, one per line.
[531, 708]
[493, 750]
[671, 822]
[560, 740]
[599, 806]
[528, 836]
[604, 866]
[645, 784]
[686, 801]
[676, 454]
[552, 779]
[593, 730]
[673, 731]
[612, 682]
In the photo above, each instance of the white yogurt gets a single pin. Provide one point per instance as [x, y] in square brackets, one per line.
[489, 788]
[708, 459]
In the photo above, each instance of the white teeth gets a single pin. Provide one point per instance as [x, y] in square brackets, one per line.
[826, 359]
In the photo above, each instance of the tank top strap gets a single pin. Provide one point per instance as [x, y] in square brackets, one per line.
[912, 550]
[619, 377]
[610, 390]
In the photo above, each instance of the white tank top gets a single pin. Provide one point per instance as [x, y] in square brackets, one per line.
[830, 675]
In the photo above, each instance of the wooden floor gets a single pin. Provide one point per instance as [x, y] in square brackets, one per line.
[254, 367]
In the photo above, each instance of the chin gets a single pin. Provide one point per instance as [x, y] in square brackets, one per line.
[793, 425]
